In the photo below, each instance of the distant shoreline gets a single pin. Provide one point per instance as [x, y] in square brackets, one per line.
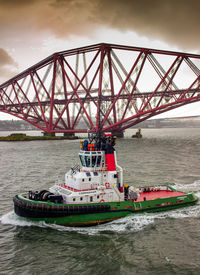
[183, 122]
[24, 137]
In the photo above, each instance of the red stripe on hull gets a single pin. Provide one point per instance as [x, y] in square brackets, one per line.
[76, 190]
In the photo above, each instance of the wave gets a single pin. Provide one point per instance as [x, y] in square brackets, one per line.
[12, 219]
[132, 223]
[190, 187]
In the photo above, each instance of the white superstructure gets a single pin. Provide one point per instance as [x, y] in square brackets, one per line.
[98, 178]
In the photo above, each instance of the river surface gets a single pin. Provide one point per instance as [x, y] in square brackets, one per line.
[160, 243]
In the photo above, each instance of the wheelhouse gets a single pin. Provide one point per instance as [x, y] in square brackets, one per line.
[92, 159]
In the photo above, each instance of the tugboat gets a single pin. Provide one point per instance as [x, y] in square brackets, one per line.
[94, 192]
[137, 134]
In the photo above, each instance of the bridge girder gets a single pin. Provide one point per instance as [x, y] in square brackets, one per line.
[103, 85]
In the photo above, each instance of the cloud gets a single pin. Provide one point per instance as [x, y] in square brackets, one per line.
[7, 65]
[5, 58]
[175, 22]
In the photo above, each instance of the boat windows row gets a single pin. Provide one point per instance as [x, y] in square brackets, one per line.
[81, 198]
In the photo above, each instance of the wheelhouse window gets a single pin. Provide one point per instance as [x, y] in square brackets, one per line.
[98, 161]
[91, 158]
[87, 161]
[94, 161]
[82, 160]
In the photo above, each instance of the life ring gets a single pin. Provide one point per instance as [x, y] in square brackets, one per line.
[102, 200]
[107, 184]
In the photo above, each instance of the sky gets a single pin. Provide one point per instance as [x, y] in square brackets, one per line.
[31, 30]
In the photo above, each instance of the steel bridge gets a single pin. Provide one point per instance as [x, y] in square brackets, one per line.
[109, 86]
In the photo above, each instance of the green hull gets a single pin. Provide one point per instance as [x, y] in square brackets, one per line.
[96, 213]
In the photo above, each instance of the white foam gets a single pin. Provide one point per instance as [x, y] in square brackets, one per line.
[191, 187]
[132, 223]
[129, 223]
[13, 219]
[186, 212]
[197, 194]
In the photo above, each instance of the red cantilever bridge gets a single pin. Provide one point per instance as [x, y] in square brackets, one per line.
[109, 86]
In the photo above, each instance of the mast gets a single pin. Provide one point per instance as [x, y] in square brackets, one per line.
[98, 125]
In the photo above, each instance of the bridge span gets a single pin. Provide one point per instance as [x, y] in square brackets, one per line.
[109, 86]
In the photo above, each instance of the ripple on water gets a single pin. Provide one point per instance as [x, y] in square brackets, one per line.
[166, 242]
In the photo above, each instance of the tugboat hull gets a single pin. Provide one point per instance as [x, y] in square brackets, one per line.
[97, 213]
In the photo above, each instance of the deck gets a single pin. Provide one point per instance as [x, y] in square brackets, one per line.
[152, 195]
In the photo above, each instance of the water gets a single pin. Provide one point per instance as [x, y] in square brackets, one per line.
[160, 243]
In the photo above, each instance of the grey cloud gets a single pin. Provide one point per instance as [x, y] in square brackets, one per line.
[172, 21]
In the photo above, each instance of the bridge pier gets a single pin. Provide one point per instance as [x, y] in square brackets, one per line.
[118, 133]
[45, 134]
[69, 135]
